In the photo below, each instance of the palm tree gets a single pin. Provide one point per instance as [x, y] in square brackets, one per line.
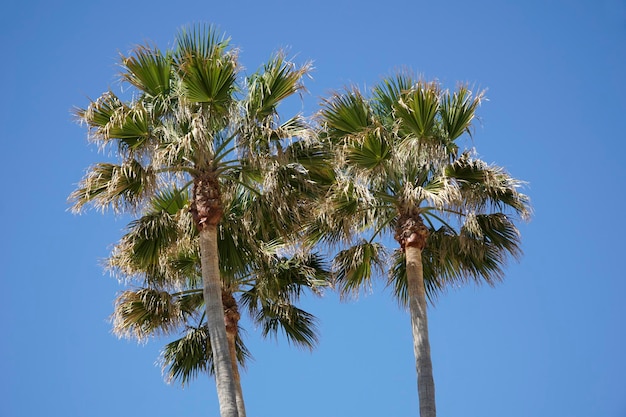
[400, 173]
[191, 127]
[160, 253]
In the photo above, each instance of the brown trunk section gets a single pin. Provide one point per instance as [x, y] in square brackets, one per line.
[206, 207]
[410, 230]
[231, 319]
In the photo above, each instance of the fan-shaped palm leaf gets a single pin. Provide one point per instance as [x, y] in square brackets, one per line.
[117, 186]
[149, 70]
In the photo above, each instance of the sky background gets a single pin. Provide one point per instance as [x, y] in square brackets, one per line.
[548, 341]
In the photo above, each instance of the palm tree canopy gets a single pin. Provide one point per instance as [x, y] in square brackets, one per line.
[192, 118]
[190, 113]
[397, 157]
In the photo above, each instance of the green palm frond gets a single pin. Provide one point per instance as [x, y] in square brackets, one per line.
[170, 201]
[282, 136]
[207, 71]
[145, 248]
[149, 70]
[285, 278]
[350, 199]
[278, 80]
[346, 114]
[111, 120]
[495, 229]
[132, 130]
[278, 284]
[100, 112]
[355, 267]
[116, 186]
[235, 251]
[145, 312]
[478, 252]
[298, 326]
[458, 111]
[348, 209]
[200, 42]
[149, 236]
[488, 187]
[187, 357]
[418, 109]
[190, 301]
[388, 93]
[184, 266]
[370, 153]
[315, 158]
[435, 192]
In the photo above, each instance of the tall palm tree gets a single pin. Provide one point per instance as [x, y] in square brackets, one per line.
[400, 173]
[191, 126]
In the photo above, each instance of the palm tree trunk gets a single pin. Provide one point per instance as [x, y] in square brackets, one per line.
[224, 378]
[231, 319]
[241, 408]
[419, 324]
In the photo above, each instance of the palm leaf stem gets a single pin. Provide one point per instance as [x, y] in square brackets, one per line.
[247, 186]
[222, 155]
[189, 170]
[223, 145]
[193, 291]
[231, 164]
[201, 319]
[429, 213]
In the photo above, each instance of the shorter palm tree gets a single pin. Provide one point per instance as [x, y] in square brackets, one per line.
[160, 252]
[399, 173]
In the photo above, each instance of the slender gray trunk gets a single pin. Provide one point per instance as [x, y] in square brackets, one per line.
[419, 324]
[224, 378]
[241, 407]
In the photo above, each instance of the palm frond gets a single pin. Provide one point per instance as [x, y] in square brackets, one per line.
[458, 111]
[388, 93]
[145, 312]
[354, 267]
[119, 187]
[278, 80]
[99, 113]
[207, 71]
[298, 326]
[148, 70]
[156, 240]
[187, 357]
[487, 187]
[346, 114]
[314, 157]
[369, 153]
[418, 109]
[478, 252]
[200, 42]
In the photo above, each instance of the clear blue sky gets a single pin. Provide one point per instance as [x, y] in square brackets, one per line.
[549, 341]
